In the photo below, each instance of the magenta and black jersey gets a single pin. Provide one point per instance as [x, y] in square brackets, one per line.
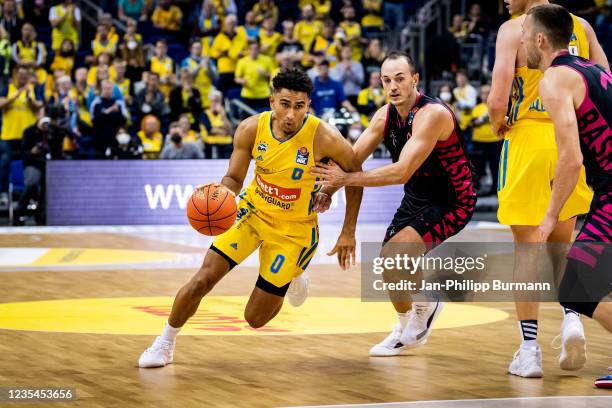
[594, 125]
[439, 199]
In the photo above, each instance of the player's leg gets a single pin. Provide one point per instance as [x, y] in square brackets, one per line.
[228, 250]
[415, 319]
[262, 307]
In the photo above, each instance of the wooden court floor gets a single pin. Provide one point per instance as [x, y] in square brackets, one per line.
[223, 370]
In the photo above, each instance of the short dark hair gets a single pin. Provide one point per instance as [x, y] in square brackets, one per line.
[393, 55]
[555, 22]
[293, 79]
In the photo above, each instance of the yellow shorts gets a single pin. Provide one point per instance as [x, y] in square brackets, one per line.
[285, 248]
[526, 172]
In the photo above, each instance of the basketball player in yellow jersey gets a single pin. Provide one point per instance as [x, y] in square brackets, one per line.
[275, 212]
[527, 166]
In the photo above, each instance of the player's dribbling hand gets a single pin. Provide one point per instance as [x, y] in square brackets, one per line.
[345, 249]
[329, 174]
[321, 202]
[201, 187]
[501, 128]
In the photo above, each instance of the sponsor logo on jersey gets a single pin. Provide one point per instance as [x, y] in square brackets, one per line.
[262, 147]
[281, 193]
[302, 156]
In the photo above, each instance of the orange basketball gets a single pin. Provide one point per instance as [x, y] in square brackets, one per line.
[211, 210]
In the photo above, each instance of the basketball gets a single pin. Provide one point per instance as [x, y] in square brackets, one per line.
[211, 210]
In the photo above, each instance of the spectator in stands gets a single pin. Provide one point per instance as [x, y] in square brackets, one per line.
[373, 57]
[137, 10]
[459, 27]
[102, 74]
[394, 14]
[290, 45]
[64, 57]
[102, 42]
[66, 96]
[185, 98]
[352, 30]
[209, 22]
[119, 78]
[108, 115]
[27, 51]
[250, 26]
[486, 145]
[10, 20]
[466, 96]
[132, 52]
[339, 5]
[265, 9]
[318, 57]
[37, 13]
[177, 149]
[227, 48]
[6, 54]
[372, 21]
[150, 136]
[371, 98]
[106, 19]
[325, 43]
[65, 18]
[125, 147]
[103, 60]
[216, 129]
[445, 93]
[253, 74]
[162, 65]
[269, 38]
[44, 137]
[187, 132]
[305, 31]
[322, 8]
[478, 23]
[167, 16]
[349, 73]
[355, 130]
[202, 70]
[328, 94]
[19, 104]
[150, 100]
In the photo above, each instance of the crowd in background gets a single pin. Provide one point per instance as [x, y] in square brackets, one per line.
[151, 79]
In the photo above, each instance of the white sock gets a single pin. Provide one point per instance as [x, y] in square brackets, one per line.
[569, 313]
[169, 333]
[403, 318]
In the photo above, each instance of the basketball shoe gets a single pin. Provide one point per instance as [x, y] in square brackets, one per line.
[605, 381]
[573, 343]
[160, 353]
[527, 363]
[298, 290]
[415, 334]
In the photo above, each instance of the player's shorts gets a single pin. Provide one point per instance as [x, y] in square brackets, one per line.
[526, 171]
[285, 247]
[434, 223]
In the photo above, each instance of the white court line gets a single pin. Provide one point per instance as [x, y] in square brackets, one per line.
[390, 404]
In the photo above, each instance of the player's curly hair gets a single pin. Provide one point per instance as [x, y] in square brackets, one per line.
[293, 79]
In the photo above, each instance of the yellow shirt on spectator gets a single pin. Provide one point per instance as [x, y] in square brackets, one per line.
[373, 16]
[215, 121]
[322, 10]
[305, 32]
[152, 146]
[262, 12]
[257, 86]
[124, 86]
[269, 43]
[367, 95]
[353, 30]
[97, 47]
[66, 30]
[167, 19]
[163, 68]
[18, 116]
[62, 63]
[482, 133]
[225, 50]
[322, 44]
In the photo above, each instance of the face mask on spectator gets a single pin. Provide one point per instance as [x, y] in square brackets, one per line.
[176, 138]
[123, 138]
[132, 45]
[446, 96]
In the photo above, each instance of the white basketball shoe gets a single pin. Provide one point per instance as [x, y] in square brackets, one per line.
[298, 290]
[160, 353]
[527, 363]
[415, 334]
[573, 344]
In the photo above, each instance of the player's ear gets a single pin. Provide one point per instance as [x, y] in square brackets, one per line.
[271, 99]
[415, 78]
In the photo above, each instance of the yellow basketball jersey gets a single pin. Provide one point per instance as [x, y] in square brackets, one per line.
[283, 186]
[526, 103]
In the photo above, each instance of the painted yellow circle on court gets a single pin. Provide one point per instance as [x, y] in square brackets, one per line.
[220, 315]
